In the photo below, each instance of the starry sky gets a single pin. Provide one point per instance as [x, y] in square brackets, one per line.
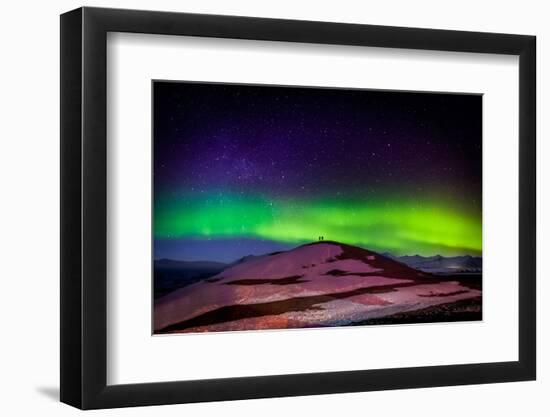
[247, 169]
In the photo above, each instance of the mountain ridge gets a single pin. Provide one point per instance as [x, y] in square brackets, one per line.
[171, 274]
[442, 264]
[313, 285]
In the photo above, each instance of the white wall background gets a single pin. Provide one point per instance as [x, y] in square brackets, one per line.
[29, 238]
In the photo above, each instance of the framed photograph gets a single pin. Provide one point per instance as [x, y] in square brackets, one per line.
[258, 208]
[280, 207]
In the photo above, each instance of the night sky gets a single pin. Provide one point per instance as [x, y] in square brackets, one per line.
[241, 169]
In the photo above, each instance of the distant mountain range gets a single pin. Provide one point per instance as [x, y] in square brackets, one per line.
[440, 264]
[170, 274]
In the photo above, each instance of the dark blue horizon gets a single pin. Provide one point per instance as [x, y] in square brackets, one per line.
[216, 250]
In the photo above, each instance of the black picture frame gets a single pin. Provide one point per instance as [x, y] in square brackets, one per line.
[84, 207]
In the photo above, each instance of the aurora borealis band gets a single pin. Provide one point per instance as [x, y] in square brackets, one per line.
[242, 169]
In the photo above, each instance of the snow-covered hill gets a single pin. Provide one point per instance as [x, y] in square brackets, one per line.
[319, 284]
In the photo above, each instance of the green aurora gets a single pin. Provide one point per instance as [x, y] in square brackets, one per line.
[395, 224]
[244, 170]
